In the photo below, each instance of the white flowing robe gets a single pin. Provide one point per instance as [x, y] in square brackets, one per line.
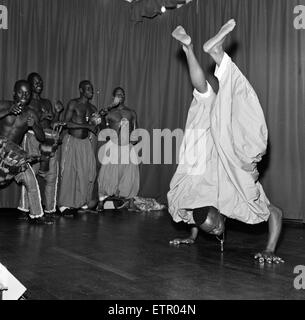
[225, 137]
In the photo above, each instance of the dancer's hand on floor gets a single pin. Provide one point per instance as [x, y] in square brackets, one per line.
[177, 242]
[268, 257]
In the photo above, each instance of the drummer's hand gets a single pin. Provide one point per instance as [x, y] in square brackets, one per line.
[16, 109]
[14, 160]
[20, 161]
[17, 160]
[95, 119]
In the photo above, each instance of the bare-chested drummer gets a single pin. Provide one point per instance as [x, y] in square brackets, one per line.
[233, 133]
[119, 177]
[78, 163]
[16, 118]
[48, 168]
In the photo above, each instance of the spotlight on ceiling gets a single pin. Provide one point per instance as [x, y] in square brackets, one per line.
[163, 9]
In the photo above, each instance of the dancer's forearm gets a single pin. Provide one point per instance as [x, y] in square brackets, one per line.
[275, 226]
[194, 233]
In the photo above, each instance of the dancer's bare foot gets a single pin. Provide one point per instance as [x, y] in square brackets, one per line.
[214, 45]
[219, 38]
[180, 34]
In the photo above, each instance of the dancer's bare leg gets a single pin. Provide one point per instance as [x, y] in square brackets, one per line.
[196, 73]
[214, 45]
[190, 240]
[199, 82]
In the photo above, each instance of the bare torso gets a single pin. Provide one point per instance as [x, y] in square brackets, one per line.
[14, 127]
[43, 110]
[115, 116]
[80, 113]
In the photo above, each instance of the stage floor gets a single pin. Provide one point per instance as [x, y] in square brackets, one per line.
[126, 255]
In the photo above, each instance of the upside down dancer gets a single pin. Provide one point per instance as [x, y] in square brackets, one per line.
[230, 127]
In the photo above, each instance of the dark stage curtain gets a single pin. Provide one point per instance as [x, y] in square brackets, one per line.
[67, 41]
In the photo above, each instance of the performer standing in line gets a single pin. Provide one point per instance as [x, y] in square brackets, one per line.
[16, 118]
[230, 127]
[78, 163]
[48, 169]
[120, 175]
